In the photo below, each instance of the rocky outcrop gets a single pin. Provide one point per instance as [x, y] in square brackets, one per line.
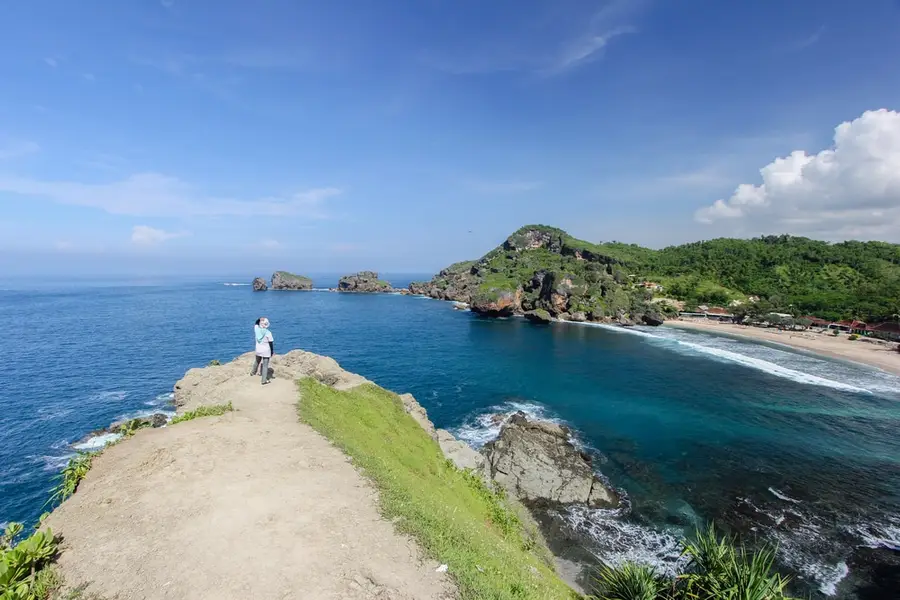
[544, 268]
[538, 316]
[364, 281]
[282, 280]
[536, 461]
[461, 454]
[415, 410]
[497, 303]
[260, 285]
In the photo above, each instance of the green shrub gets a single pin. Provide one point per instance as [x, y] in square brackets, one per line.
[836, 333]
[23, 575]
[630, 582]
[213, 410]
[214, 363]
[71, 476]
[129, 428]
[853, 336]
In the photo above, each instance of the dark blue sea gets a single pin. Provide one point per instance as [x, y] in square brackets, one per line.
[777, 445]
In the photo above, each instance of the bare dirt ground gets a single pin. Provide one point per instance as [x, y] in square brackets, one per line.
[249, 505]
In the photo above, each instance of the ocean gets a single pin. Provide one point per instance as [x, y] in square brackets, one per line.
[780, 446]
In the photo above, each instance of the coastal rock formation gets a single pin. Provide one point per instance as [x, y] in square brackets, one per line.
[259, 285]
[541, 268]
[282, 280]
[415, 410]
[536, 461]
[461, 454]
[538, 316]
[364, 281]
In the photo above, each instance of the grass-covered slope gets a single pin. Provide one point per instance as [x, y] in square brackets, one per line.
[453, 515]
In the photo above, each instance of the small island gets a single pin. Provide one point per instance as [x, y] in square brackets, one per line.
[283, 280]
[364, 282]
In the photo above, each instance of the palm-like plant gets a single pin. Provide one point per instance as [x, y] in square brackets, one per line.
[630, 581]
[718, 568]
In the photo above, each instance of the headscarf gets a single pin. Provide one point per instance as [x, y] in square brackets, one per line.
[261, 330]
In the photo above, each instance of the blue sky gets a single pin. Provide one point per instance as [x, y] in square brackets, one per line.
[198, 135]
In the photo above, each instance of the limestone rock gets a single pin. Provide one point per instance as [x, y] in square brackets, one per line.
[417, 412]
[259, 285]
[497, 303]
[652, 319]
[538, 316]
[462, 455]
[364, 281]
[535, 461]
[282, 280]
[578, 317]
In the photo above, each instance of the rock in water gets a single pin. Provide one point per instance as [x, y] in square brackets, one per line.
[538, 316]
[282, 280]
[535, 461]
[364, 281]
[259, 285]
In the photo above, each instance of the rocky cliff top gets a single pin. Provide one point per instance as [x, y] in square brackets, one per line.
[364, 281]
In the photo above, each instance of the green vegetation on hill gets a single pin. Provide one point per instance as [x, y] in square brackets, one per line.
[453, 514]
[832, 281]
[790, 274]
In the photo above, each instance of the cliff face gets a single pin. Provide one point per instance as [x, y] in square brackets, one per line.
[282, 280]
[541, 268]
[364, 281]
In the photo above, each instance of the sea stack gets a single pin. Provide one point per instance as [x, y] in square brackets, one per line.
[259, 285]
[364, 281]
[282, 280]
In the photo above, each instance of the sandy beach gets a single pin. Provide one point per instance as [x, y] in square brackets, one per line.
[873, 353]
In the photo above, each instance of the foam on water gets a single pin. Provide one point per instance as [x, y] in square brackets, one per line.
[878, 535]
[782, 496]
[236, 284]
[484, 427]
[97, 442]
[815, 371]
[619, 540]
[113, 396]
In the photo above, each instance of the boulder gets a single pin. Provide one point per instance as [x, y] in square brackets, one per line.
[578, 317]
[282, 280]
[460, 453]
[538, 316]
[364, 281]
[536, 461]
[154, 420]
[652, 319]
[259, 285]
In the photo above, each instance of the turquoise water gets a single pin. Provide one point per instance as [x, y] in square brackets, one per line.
[777, 445]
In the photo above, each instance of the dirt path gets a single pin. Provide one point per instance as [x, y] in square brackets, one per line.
[252, 504]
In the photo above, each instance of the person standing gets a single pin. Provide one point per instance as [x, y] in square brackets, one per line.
[265, 348]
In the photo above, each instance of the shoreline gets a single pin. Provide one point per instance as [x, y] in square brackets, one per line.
[878, 355]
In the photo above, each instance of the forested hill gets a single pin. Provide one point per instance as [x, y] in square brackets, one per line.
[834, 281]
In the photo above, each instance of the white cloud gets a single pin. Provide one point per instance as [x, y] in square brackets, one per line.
[51, 62]
[502, 187]
[156, 195]
[809, 40]
[851, 190]
[143, 235]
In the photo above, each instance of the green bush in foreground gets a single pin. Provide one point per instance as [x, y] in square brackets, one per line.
[718, 569]
[456, 518]
[203, 411]
[24, 571]
[853, 337]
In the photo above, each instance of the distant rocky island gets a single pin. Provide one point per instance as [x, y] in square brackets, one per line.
[361, 282]
[364, 281]
[543, 273]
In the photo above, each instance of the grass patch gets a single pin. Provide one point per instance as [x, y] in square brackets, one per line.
[213, 410]
[456, 518]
